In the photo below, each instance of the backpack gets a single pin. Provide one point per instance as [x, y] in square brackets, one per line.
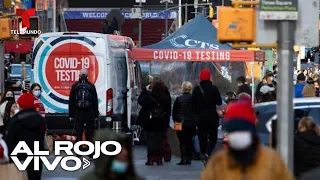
[157, 112]
[83, 96]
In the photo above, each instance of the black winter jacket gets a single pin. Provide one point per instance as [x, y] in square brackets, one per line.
[306, 152]
[204, 106]
[27, 125]
[244, 89]
[182, 110]
[80, 114]
[148, 102]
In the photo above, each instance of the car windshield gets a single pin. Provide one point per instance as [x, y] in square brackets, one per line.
[17, 69]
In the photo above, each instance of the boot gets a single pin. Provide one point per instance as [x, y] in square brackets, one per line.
[183, 157]
[196, 156]
[159, 161]
[149, 162]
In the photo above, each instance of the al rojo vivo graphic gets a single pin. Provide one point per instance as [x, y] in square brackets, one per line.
[60, 61]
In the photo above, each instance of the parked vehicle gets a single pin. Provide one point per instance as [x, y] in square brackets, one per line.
[14, 80]
[57, 59]
[302, 107]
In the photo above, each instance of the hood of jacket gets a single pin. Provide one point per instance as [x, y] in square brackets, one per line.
[30, 119]
[309, 137]
[103, 163]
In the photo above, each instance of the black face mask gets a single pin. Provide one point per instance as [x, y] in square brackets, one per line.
[9, 98]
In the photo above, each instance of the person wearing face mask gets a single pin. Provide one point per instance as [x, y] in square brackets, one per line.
[36, 91]
[29, 126]
[10, 110]
[245, 157]
[119, 167]
[7, 96]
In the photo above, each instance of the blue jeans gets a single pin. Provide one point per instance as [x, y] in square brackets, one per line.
[196, 144]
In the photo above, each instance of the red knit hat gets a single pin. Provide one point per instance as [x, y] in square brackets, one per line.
[239, 116]
[205, 75]
[26, 101]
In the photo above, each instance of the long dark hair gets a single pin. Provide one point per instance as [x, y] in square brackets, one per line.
[35, 85]
[3, 98]
[7, 111]
[159, 90]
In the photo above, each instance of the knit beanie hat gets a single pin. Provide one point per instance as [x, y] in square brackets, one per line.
[239, 116]
[205, 75]
[26, 101]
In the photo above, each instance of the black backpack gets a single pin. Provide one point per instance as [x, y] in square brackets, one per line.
[157, 112]
[83, 96]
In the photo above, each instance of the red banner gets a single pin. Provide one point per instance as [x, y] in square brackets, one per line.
[193, 55]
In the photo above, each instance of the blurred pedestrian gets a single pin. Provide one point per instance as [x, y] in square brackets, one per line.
[36, 91]
[7, 96]
[309, 89]
[267, 79]
[245, 157]
[316, 85]
[298, 87]
[154, 117]
[205, 98]
[11, 110]
[118, 167]
[306, 146]
[243, 86]
[29, 126]
[23, 70]
[182, 114]
[83, 106]
[267, 94]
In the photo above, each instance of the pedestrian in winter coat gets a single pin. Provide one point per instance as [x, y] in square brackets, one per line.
[11, 110]
[267, 79]
[182, 113]
[243, 86]
[267, 94]
[205, 98]
[298, 87]
[245, 157]
[28, 126]
[119, 167]
[84, 108]
[36, 91]
[154, 118]
[306, 146]
[7, 96]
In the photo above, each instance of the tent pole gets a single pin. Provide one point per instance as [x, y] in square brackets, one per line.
[186, 14]
[166, 30]
[180, 15]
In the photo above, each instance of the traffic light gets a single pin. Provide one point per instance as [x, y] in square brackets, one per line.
[7, 4]
[211, 12]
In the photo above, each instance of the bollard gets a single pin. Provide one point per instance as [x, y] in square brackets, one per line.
[117, 126]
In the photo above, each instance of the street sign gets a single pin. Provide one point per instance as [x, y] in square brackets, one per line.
[142, 1]
[279, 9]
[307, 30]
[136, 13]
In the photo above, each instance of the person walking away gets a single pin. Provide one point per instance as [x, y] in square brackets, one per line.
[10, 110]
[309, 89]
[119, 167]
[245, 157]
[23, 70]
[28, 58]
[83, 106]
[7, 96]
[154, 117]
[306, 146]
[36, 91]
[181, 113]
[205, 98]
[298, 87]
[29, 126]
[243, 86]
[316, 85]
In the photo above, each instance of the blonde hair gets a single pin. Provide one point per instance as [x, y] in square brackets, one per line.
[309, 124]
[186, 87]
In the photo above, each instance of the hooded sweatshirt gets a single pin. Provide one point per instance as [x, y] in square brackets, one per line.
[103, 163]
[27, 125]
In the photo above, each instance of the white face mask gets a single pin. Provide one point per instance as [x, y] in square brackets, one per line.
[16, 111]
[239, 140]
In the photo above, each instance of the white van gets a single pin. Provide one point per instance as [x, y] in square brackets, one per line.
[57, 59]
